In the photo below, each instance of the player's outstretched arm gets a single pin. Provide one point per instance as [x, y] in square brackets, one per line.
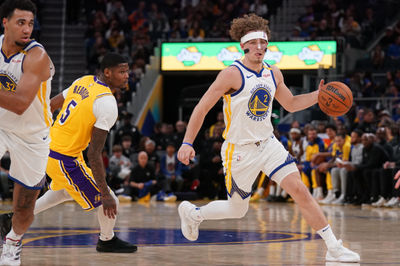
[396, 177]
[36, 69]
[96, 146]
[226, 80]
[293, 103]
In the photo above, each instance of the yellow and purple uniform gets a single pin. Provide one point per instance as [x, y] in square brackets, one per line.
[70, 135]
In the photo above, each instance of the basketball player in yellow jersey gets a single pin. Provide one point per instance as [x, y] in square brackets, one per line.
[88, 112]
[25, 77]
[248, 87]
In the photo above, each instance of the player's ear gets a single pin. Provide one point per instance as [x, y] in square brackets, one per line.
[107, 72]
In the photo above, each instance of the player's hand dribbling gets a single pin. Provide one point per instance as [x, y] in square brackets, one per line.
[109, 205]
[185, 154]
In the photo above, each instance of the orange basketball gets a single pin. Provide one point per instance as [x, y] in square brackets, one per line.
[335, 98]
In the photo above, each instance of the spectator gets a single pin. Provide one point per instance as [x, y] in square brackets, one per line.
[127, 128]
[295, 146]
[120, 167]
[259, 7]
[378, 57]
[315, 145]
[142, 183]
[393, 51]
[116, 8]
[154, 160]
[171, 169]
[388, 38]
[180, 127]
[368, 123]
[196, 32]
[341, 155]
[213, 131]
[138, 18]
[127, 148]
[373, 158]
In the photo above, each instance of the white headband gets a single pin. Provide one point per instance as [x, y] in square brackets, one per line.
[254, 35]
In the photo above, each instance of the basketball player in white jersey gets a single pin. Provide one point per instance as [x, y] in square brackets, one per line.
[248, 88]
[25, 75]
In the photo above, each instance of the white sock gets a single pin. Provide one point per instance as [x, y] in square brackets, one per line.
[12, 236]
[50, 199]
[106, 224]
[272, 190]
[278, 190]
[260, 191]
[328, 236]
[234, 207]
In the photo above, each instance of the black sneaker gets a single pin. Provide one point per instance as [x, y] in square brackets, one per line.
[5, 224]
[115, 245]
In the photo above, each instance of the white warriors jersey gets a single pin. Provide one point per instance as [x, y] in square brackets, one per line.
[37, 119]
[247, 111]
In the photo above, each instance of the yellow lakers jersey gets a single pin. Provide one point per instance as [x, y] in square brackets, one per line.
[72, 130]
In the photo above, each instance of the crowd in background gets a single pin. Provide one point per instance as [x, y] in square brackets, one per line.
[145, 167]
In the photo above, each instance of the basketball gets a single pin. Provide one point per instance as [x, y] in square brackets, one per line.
[335, 98]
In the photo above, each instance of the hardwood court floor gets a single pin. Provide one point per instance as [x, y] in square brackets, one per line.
[270, 234]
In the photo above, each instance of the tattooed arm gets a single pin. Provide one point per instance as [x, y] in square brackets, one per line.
[96, 146]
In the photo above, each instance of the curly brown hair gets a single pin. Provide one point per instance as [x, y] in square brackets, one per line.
[251, 22]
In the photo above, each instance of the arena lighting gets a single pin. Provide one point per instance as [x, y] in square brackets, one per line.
[213, 56]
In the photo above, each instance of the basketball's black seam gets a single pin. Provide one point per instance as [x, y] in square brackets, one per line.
[335, 98]
[330, 110]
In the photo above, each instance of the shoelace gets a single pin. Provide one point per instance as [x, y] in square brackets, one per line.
[12, 251]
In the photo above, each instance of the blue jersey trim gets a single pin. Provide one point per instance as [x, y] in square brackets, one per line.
[241, 87]
[33, 46]
[8, 59]
[289, 160]
[99, 82]
[235, 188]
[25, 186]
[272, 74]
[252, 71]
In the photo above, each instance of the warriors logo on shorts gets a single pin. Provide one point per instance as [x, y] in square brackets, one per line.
[259, 103]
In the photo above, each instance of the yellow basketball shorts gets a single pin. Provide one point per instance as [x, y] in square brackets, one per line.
[73, 175]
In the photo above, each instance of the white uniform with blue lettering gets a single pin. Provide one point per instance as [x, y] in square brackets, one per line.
[25, 136]
[250, 145]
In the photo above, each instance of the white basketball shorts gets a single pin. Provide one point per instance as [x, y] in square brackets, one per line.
[243, 163]
[28, 159]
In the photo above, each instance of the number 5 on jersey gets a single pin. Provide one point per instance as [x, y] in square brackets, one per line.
[71, 105]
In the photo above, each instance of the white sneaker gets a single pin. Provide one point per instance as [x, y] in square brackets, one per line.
[124, 198]
[170, 198]
[189, 226]
[342, 254]
[339, 201]
[11, 253]
[392, 202]
[329, 198]
[380, 202]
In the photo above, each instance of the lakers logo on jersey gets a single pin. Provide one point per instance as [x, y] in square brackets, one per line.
[259, 103]
[7, 83]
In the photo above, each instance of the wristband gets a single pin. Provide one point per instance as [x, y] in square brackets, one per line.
[187, 143]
